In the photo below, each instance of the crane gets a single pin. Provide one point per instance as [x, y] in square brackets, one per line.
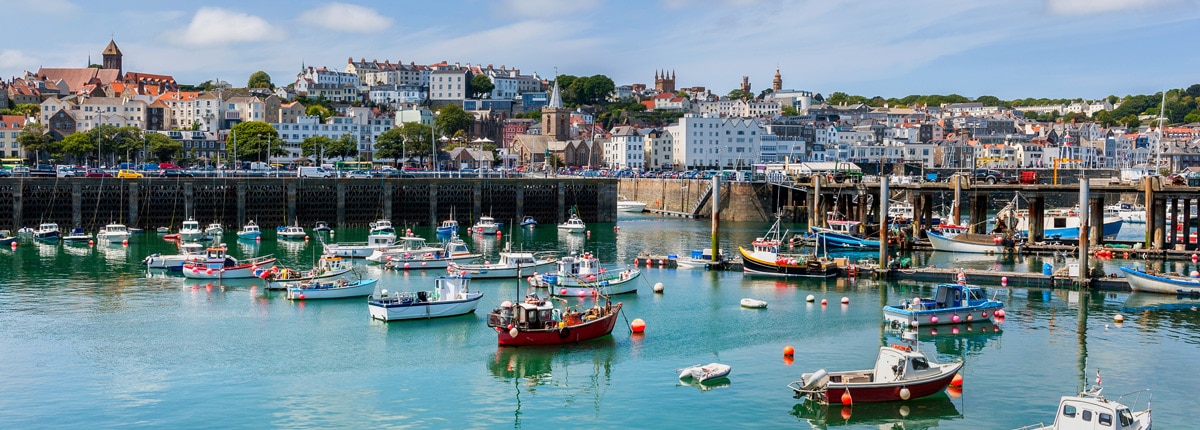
[1063, 160]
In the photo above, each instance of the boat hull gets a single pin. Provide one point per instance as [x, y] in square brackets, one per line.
[593, 329]
[201, 271]
[113, 237]
[1142, 281]
[758, 265]
[838, 240]
[350, 251]
[392, 310]
[966, 314]
[249, 235]
[353, 289]
[943, 243]
[282, 283]
[635, 207]
[494, 271]
[569, 287]
[890, 391]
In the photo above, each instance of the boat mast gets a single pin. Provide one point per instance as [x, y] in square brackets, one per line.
[1162, 134]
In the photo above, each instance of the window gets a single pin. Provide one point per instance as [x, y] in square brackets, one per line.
[1086, 415]
[1068, 411]
[1105, 419]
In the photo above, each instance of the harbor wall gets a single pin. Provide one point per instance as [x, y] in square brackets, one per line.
[152, 202]
[740, 201]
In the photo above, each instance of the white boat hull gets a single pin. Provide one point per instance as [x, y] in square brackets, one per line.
[352, 289]
[493, 271]
[942, 243]
[113, 237]
[282, 283]
[1142, 281]
[394, 310]
[635, 207]
[171, 262]
[753, 303]
[218, 272]
[571, 287]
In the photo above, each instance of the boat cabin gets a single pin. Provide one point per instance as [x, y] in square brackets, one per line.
[381, 240]
[1091, 411]
[382, 225]
[515, 258]
[457, 247]
[579, 265]
[116, 229]
[217, 257]
[449, 225]
[763, 244]
[532, 313]
[954, 296]
[844, 226]
[900, 362]
[250, 227]
[48, 226]
[191, 225]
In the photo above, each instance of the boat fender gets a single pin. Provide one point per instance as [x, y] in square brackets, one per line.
[564, 332]
[813, 380]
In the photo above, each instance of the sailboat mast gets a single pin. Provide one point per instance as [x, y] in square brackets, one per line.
[1162, 133]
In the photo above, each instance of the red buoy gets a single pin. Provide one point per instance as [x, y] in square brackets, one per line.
[846, 399]
[957, 381]
[638, 326]
[788, 351]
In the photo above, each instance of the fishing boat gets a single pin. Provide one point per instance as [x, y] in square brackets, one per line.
[1063, 223]
[510, 265]
[535, 321]
[218, 264]
[450, 297]
[250, 231]
[214, 230]
[292, 232]
[413, 253]
[707, 372]
[948, 230]
[332, 289]
[901, 372]
[573, 225]
[189, 252]
[1090, 410]
[113, 233]
[1161, 283]
[191, 231]
[529, 222]
[326, 269]
[582, 275]
[382, 226]
[47, 231]
[764, 258]
[842, 234]
[321, 226]
[627, 205]
[951, 304]
[753, 303]
[971, 243]
[698, 258]
[485, 225]
[77, 235]
[361, 249]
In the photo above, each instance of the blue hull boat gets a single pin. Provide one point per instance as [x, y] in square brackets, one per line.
[839, 240]
[951, 304]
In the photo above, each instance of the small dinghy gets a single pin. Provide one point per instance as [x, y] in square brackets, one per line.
[753, 303]
[707, 372]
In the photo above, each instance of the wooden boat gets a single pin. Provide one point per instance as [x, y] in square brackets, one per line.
[77, 235]
[534, 321]
[327, 268]
[113, 233]
[450, 297]
[707, 372]
[335, 289]
[190, 252]
[901, 372]
[753, 303]
[191, 231]
[573, 225]
[510, 265]
[582, 275]
[47, 231]
[250, 231]
[217, 264]
[1090, 410]
[970, 243]
[951, 304]
[764, 258]
[1161, 283]
[361, 249]
[293, 232]
[485, 225]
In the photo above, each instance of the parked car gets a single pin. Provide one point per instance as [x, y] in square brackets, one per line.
[98, 173]
[174, 173]
[991, 176]
[5, 173]
[128, 174]
[359, 174]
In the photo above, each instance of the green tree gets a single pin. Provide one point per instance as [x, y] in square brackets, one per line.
[78, 146]
[418, 139]
[989, 100]
[314, 146]
[162, 148]
[260, 79]
[319, 111]
[343, 147]
[481, 86]
[452, 119]
[33, 139]
[252, 140]
[1104, 118]
[1192, 117]
[789, 111]
[738, 94]
[594, 90]
[390, 144]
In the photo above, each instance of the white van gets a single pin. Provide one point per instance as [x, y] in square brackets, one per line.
[313, 172]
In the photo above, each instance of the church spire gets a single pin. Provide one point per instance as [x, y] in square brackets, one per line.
[555, 97]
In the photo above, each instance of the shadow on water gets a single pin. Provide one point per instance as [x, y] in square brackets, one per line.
[531, 368]
[924, 413]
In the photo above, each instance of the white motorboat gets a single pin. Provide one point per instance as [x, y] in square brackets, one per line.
[573, 225]
[1128, 212]
[382, 226]
[218, 264]
[970, 243]
[1161, 283]
[191, 231]
[698, 258]
[361, 249]
[753, 303]
[334, 289]
[626, 205]
[1090, 410]
[327, 269]
[511, 265]
[450, 297]
[214, 230]
[47, 231]
[189, 252]
[485, 225]
[250, 231]
[707, 372]
[113, 233]
[293, 232]
[413, 253]
[582, 275]
[77, 235]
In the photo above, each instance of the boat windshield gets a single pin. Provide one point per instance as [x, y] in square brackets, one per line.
[1126, 417]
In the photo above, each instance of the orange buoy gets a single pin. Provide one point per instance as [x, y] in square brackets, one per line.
[824, 302]
[638, 326]
[788, 351]
[954, 392]
[846, 399]
[957, 381]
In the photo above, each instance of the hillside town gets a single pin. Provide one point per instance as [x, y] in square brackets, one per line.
[528, 121]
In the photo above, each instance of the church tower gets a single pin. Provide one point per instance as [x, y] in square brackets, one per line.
[777, 84]
[556, 121]
[664, 83]
[746, 86]
[112, 57]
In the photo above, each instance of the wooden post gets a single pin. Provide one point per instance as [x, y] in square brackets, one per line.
[716, 217]
[883, 230]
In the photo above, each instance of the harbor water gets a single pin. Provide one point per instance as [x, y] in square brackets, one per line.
[90, 338]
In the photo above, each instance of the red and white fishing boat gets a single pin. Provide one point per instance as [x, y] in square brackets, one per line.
[534, 321]
[901, 372]
[217, 264]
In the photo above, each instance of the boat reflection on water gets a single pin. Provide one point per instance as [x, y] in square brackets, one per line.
[943, 259]
[290, 247]
[711, 384]
[1142, 301]
[248, 247]
[956, 339]
[532, 367]
[923, 413]
[239, 283]
[568, 241]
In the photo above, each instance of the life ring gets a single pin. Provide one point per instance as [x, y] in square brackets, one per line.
[564, 332]
[904, 348]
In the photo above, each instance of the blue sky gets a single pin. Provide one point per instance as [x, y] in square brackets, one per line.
[1007, 48]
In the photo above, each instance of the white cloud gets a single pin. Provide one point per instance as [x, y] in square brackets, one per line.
[14, 59]
[347, 17]
[1086, 7]
[213, 26]
[544, 8]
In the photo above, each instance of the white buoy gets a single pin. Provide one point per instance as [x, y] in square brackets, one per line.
[512, 332]
[658, 287]
[1119, 318]
[810, 298]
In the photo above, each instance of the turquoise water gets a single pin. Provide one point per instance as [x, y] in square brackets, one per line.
[90, 339]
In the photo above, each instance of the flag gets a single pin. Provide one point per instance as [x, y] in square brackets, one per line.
[1097, 376]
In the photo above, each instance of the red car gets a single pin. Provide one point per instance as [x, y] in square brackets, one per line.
[97, 173]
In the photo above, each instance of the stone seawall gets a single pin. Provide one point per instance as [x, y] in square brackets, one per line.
[740, 201]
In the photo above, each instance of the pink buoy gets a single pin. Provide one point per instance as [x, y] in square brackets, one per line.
[301, 296]
[999, 313]
[562, 291]
[306, 238]
[125, 242]
[1004, 281]
[423, 264]
[824, 302]
[933, 319]
[984, 314]
[955, 319]
[954, 330]
[405, 265]
[1195, 258]
[970, 318]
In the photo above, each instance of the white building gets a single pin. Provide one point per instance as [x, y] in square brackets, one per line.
[417, 114]
[658, 149]
[626, 150]
[702, 142]
[449, 85]
[397, 94]
[323, 76]
[358, 123]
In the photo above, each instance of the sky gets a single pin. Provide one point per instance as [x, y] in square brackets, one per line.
[1004, 48]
